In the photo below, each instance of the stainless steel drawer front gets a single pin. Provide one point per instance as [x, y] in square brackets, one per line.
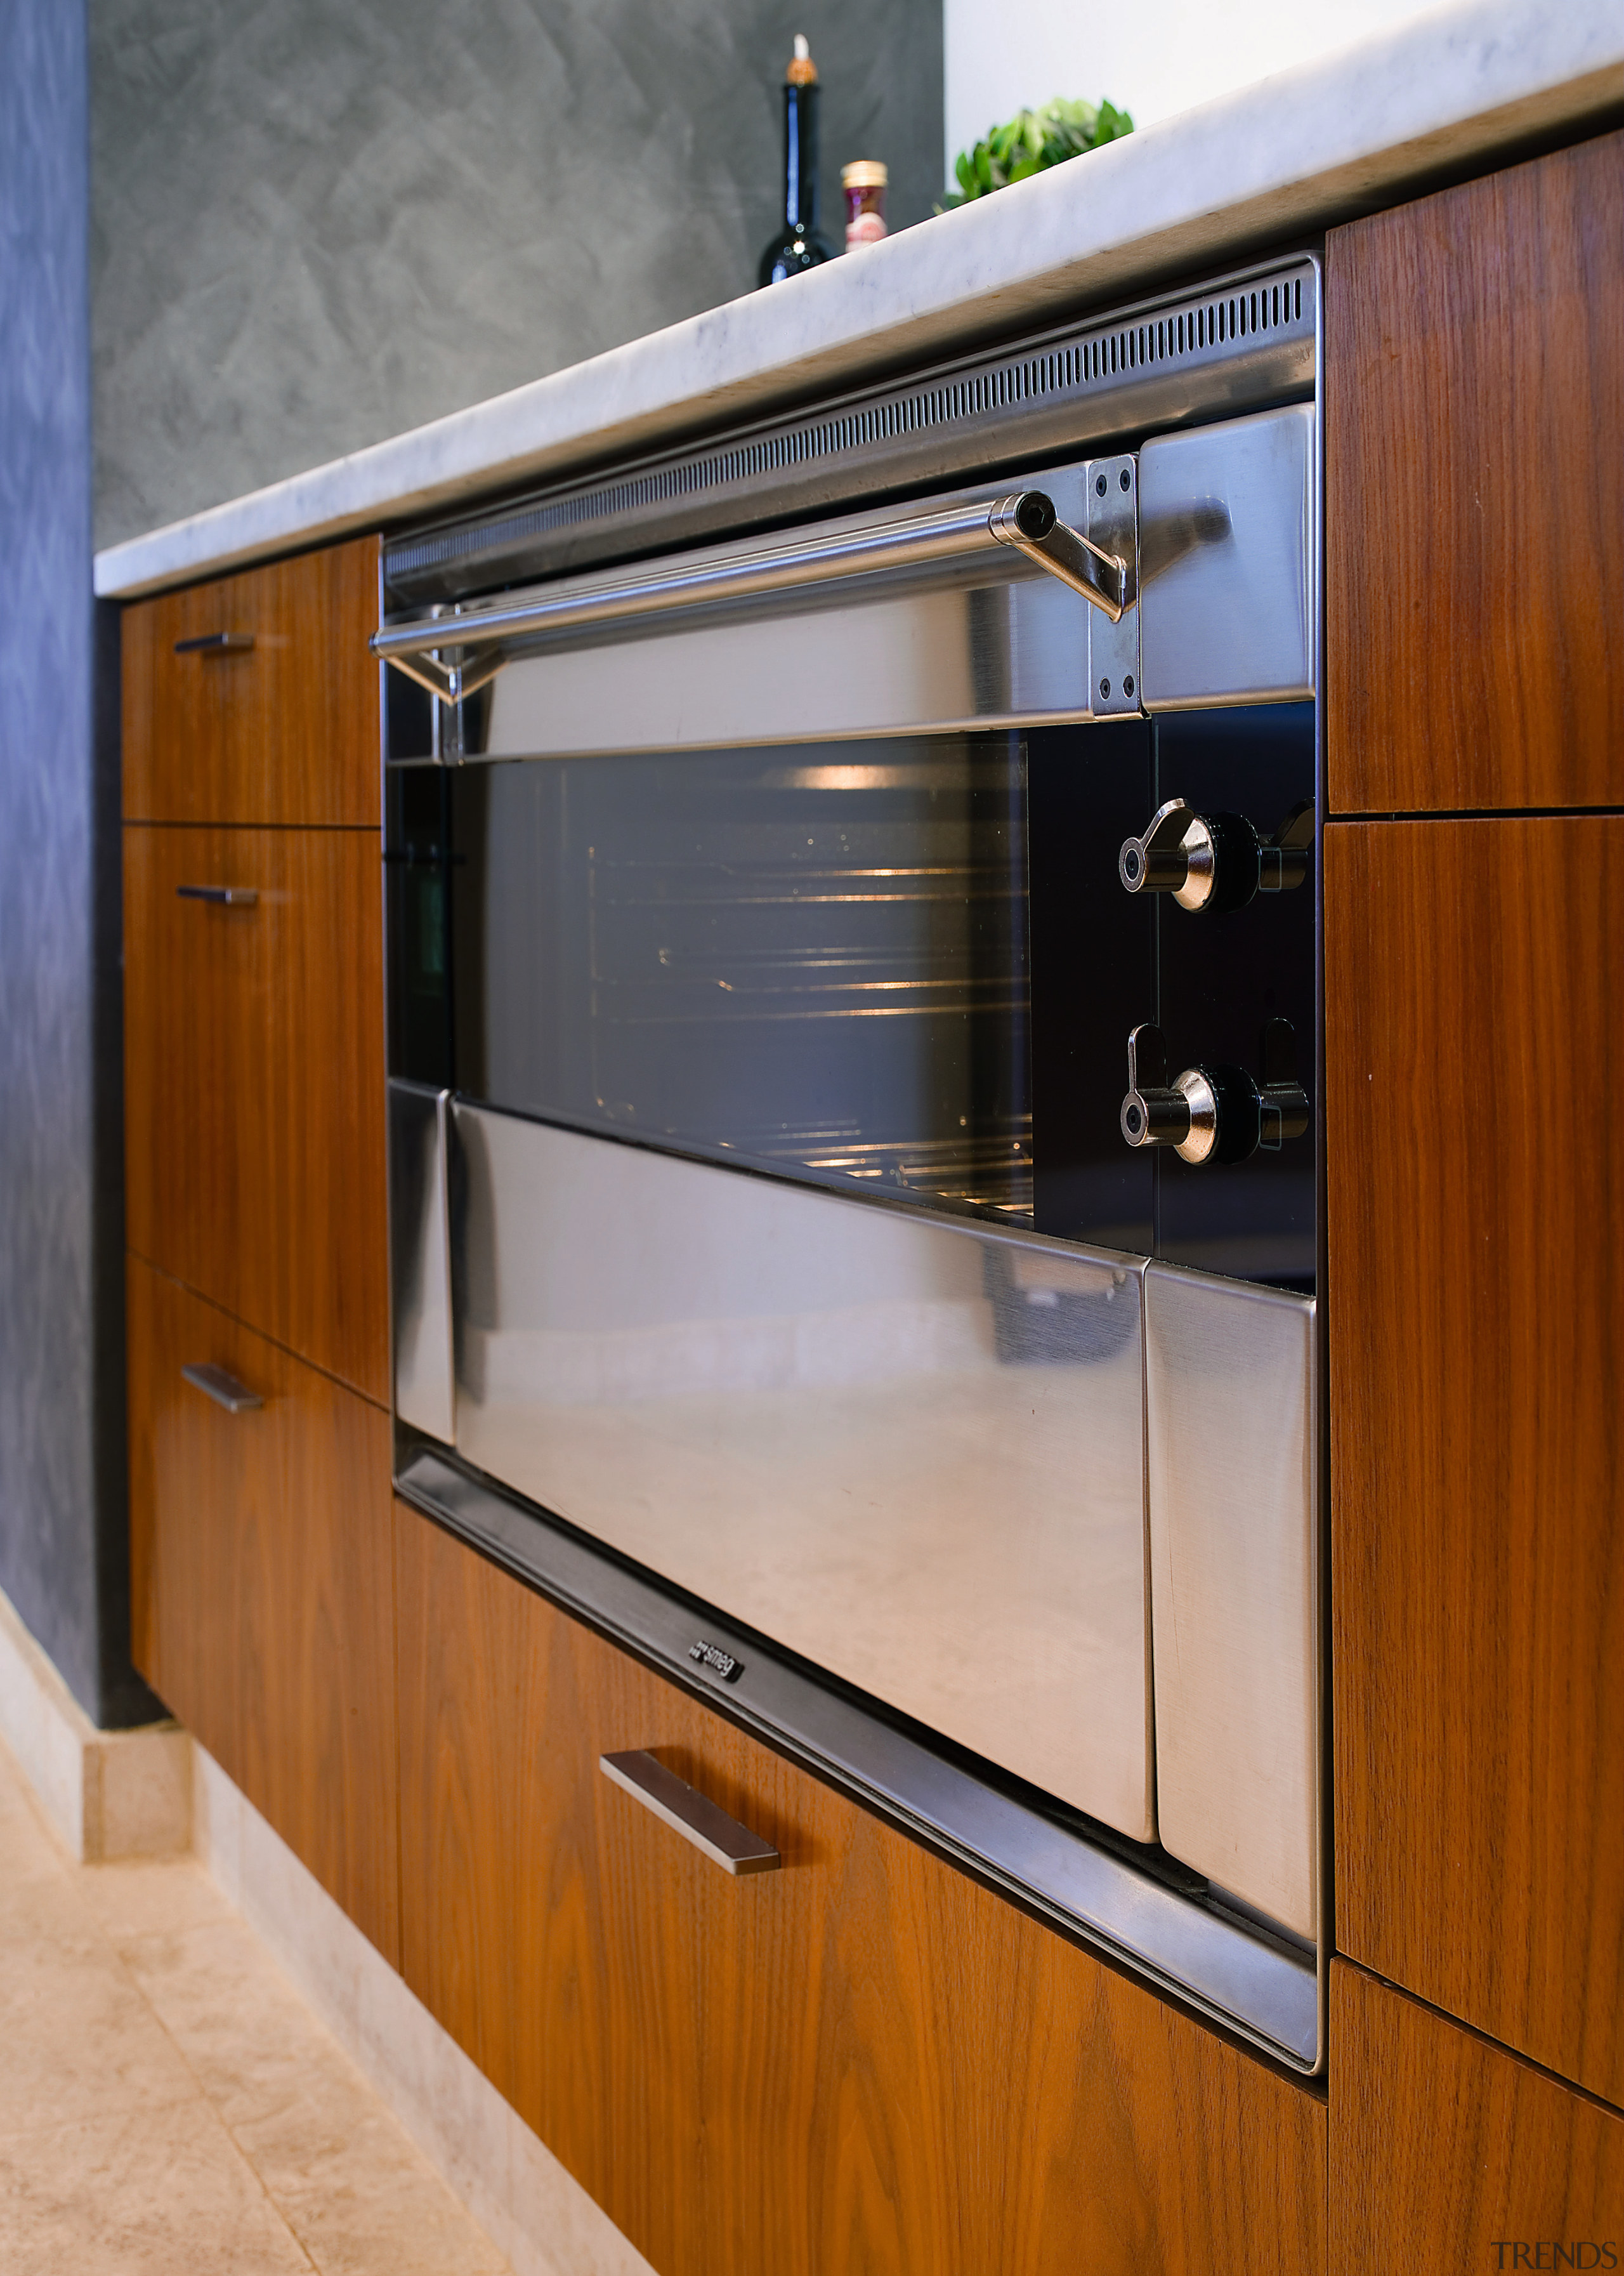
[1234, 1568]
[911, 1451]
[420, 1258]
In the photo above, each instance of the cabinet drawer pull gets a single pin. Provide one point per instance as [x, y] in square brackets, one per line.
[230, 897]
[223, 1389]
[207, 644]
[723, 1840]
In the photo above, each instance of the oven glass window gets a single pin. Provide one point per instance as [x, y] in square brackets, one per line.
[813, 960]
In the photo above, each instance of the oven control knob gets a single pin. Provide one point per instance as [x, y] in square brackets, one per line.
[1216, 860]
[1213, 1114]
[1184, 1114]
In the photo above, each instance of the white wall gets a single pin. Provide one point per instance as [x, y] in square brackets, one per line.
[1152, 58]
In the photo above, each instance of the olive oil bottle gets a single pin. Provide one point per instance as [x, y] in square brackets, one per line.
[799, 244]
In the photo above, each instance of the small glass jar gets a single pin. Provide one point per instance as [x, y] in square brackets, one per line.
[864, 183]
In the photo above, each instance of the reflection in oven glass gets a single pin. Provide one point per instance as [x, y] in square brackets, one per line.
[818, 964]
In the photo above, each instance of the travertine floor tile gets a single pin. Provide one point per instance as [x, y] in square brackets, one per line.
[39, 1902]
[256, 2048]
[79, 2040]
[363, 2202]
[168, 2103]
[158, 1896]
[161, 2192]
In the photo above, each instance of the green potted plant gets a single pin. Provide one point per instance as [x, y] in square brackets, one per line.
[1032, 140]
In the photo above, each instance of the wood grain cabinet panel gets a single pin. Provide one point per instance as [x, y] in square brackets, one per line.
[1448, 2153]
[262, 1583]
[864, 2061]
[1475, 1056]
[1474, 472]
[285, 731]
[253, 1086]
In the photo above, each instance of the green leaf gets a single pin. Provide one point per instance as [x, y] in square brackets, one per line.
[1032, 140]
[1077, 118]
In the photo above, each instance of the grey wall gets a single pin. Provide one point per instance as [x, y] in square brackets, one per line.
[63, 1553]
[319, 222]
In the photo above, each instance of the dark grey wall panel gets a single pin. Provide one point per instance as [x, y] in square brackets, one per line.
[316, 225]
[63, 1538]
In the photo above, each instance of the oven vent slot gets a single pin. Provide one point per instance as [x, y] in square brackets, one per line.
[1193, 331]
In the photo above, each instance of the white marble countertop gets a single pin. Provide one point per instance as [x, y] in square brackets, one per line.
[1289, 156]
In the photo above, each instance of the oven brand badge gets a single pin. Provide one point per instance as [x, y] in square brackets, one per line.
[719, 1662]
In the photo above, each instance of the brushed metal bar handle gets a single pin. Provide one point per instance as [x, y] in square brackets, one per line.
[229, 897]
[690, 1813]
[209, 644]
[476, 636]
[223, 1389]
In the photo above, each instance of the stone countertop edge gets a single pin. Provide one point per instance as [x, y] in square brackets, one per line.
[1292, 154]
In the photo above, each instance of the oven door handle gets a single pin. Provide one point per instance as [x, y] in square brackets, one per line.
[453, 655]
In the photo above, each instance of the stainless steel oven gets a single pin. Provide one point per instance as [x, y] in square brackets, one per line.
[854, 1109]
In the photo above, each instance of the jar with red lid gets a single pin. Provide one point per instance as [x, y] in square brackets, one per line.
[864, 183]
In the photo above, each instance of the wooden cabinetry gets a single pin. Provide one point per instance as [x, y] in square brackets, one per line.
[262, 1557]
[863, 2061]
[284, 729]
[1448, 2153]
[1475, 1033]
[264, 1585]
[1474, 469]
[254, 1099]
[1475, 1304]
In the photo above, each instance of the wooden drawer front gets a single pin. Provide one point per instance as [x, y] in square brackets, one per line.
[862, 2061]
[286, 730]
[1474, 462]
[1448, 2153]
[1474, 1054]
[253, 1086]
[262, 1586]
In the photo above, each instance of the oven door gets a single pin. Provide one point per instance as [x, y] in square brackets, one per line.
[762, 974]
[719, 1209]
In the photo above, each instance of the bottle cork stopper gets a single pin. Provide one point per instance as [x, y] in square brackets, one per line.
[802, 70]
[865, 174]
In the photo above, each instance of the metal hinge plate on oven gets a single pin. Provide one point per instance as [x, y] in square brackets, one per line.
[1114, 526]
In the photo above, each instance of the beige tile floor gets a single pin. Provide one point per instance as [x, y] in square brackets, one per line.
[167, 2104]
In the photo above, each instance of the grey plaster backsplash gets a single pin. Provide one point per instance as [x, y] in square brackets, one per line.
[316, 224]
